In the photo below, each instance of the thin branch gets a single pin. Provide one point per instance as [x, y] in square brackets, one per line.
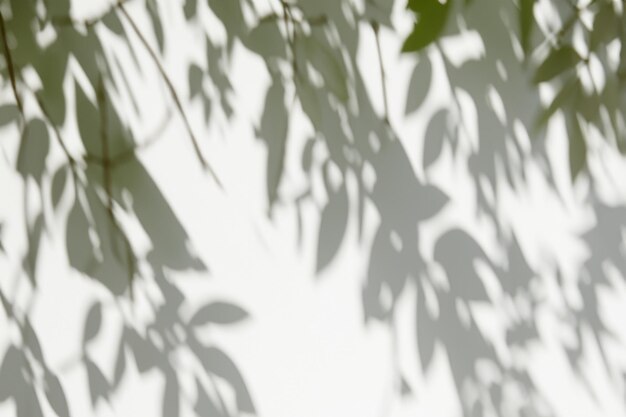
[7, 55]
[383, 82]
[172, 90]
[106, 179]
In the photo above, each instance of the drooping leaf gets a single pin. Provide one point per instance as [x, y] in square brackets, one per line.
[59, 180]
[431, 20]
[558, 61]
[113, 23]
[273, 130]
[99, 387]
[196, 76]
[309, 100]
[419, 85]
[332, 228]
[34, 150]
[218, 312]
[93, 322]
[266, 40]
[577, 148]
[435, 136]
[526, 19]
[325, 61]
[56, 395]
[563, 97]
[80, 250]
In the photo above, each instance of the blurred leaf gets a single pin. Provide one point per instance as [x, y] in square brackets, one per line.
[196, 76]
[34, 150]
[80, 250]
[563, 98]
[425, 333]
[112, 21]
[55, 395]
[332, 228]
[266, 40]
[324, 60]
[32, 341]
[218, 312]
[153, 11]
[577, 148]
[431, 20]
[93, 322]
[88, 119]
[419, 85]
[435, 136]
[9, 114]
[34, 240]
[190, 9]
[526, 20]
[171, 396]
[605, 26]
[307, 155]
[309, 101]
[218, 363]
[147, 356]
[58, 185]
[274, 125]
[558, 61]
[99, 387]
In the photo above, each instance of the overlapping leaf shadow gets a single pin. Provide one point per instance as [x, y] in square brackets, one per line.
[310, 50]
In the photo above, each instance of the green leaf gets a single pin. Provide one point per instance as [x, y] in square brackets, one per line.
[88, 119]
[558, 61]
[309, 101]
[432, 17]
[80, 250]
[526, 18]
[196, 76]
[113, 23]
[605, 26]
[563, 98]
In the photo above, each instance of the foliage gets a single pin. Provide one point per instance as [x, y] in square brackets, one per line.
[310, 50]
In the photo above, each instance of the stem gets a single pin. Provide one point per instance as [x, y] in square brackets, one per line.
[382, 72]
[172, 90]
[106, 179]
[7, 55]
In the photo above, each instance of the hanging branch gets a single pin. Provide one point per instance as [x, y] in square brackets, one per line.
[172, 91]
[9, 59]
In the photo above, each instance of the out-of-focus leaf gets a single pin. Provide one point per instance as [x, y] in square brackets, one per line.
[558, 61]
[218, 363]
[88, 119]
[526, 19]
[425, 333]
[431, 20]
[34, 239]
[307, 155]
[196, 76]
[9, 114]
[577, 148]
[419, 85]
[274, 125]
[332, 228]
[327, 64]
[80, 250]
[147, 356]
[93, 322]
[58, 185]
[218, 312]
[434, 138]
[113, 23]
[190, 9]
[266, 40]
[34, 150]
[309, 101]
[99, 387]
[153, 11]
[55, 395]
[605, 26]
[564, 97]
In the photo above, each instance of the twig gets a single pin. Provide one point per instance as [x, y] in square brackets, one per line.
[172, 90]
[106, 179]
[7, 55]
[382, 72]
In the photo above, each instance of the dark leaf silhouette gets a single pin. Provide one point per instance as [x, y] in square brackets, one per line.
[558, 61]
[332, 227]
[431, 20]
[93, 322]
